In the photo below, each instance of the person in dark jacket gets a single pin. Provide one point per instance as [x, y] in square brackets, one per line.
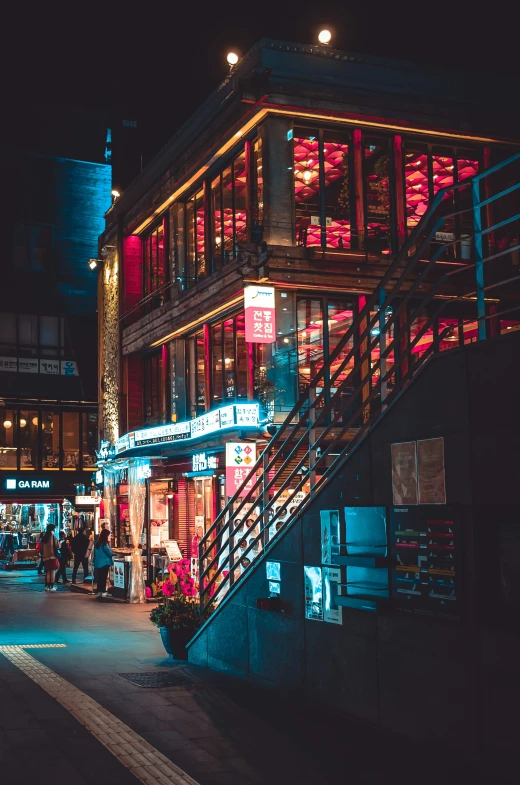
[79, 549]
[64, 558]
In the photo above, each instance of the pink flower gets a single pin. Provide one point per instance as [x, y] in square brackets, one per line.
[148, 591]
[168, 589]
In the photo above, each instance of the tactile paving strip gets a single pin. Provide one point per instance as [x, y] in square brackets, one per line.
[146, 763]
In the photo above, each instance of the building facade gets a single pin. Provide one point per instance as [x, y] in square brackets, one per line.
[302, 175]
[48, 337]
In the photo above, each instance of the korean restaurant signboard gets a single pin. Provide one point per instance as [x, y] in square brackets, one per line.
[240, 459]
[236, 415]
[260, 314]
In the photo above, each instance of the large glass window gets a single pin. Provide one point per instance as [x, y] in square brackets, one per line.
[318, 338]
[50, 440]
[29, 426]
[195, 357]
[229, 360]
[89, 439]
[216, 213]
[322, 189]
[229, 210]
[195, 239]
[70, 440]
[155, 273]
[154, 389]
[229, 366]
[377, 195]
[8, 451]
[429, 168]
[216, 364]
[259, 181]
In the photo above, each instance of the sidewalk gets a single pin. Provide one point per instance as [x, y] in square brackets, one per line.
[219, 730]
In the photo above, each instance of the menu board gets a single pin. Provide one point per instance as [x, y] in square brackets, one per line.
[425, 550]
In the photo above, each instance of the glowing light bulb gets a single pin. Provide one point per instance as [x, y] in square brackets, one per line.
[307, 174]
[8, 424]
[23, 423]
[34, 421]
[324, 37]
[232, 58]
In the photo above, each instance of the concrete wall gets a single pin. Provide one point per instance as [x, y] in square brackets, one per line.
[426, 678]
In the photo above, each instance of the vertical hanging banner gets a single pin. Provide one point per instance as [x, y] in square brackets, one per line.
[260, 314]
[240, 458]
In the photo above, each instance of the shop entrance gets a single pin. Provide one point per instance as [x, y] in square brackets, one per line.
[204, 511]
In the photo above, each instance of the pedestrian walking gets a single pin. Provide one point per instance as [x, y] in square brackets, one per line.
[50, 550]
[79, 549]
[64, 558]
[102, 562]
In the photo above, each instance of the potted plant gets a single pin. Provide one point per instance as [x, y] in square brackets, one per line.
[177, 614]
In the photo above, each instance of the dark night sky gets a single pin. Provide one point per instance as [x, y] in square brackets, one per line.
[160, 60]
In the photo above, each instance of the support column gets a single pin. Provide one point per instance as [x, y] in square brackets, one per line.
[279, 218]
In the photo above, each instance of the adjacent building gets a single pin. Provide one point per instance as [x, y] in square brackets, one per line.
[48, 335]
[297, 180]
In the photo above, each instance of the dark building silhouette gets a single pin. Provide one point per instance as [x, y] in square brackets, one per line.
[52, 213]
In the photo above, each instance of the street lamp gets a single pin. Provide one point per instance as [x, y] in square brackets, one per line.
[324, 37]
[232, 59]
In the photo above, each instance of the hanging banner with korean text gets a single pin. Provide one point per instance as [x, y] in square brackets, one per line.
[240, 458]
[260, 314]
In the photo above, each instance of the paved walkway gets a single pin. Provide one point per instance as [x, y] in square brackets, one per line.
[65, 713]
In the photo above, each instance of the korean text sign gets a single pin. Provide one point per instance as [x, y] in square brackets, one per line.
[259, 308]
[240, 459]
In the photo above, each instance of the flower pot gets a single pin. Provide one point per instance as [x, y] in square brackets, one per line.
[175, 641]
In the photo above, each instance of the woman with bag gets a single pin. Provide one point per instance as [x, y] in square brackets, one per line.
[64, 558]
[49, 551]
[102, 562]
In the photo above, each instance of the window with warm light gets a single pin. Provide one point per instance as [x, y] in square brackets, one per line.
[322, 323]
[50, 428]
[89, 439]
[8, 450]
[228, 360]
[377, 195]
[28, 435]
[322, 188]
[70, 440]
[154, 375]
[427, 169]
[195, 372]
[155, 267]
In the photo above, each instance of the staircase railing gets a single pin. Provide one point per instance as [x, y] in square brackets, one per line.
[451, 283]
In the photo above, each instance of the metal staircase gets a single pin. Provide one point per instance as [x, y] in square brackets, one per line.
[455, 280]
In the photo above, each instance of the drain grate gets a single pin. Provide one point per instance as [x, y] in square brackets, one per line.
[157, 679]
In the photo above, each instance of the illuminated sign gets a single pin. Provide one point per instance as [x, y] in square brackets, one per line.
[143, 471]
[259, 310]
[201, 462]
[15, 484]
[240, 458]
[105, 451]
[25, 365]
[87, 500]
[243, 415]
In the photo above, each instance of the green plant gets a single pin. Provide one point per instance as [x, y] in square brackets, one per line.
[176, 613]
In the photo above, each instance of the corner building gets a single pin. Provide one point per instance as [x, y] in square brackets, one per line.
[304, 172]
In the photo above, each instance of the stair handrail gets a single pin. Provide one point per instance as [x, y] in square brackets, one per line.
[404, 256]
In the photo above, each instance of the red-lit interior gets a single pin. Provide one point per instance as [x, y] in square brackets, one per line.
[416, 180]
[307, 186]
